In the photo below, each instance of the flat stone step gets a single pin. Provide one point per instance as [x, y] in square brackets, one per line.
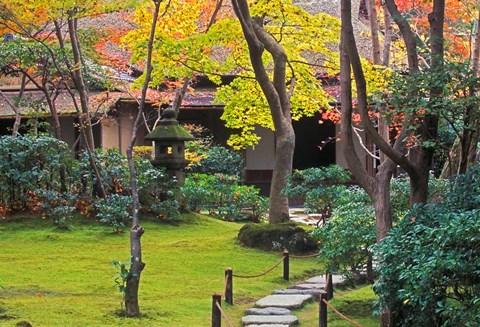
[321, 279]
[313, 292]
[307, 286]
[288, 320]
[290, 301]
[268, 311]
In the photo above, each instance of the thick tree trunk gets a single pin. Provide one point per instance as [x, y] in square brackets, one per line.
[383, 207]
[285, 145]
[278, 99]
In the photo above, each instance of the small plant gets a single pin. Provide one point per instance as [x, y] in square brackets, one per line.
[57, 206]
[114, 211]
[121, 277]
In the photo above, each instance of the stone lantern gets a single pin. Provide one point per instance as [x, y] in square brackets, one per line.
[169, 138]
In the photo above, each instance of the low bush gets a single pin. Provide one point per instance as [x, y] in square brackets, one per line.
[114, 211]
[31, 163]
[277, 237]
[319, 187]
[222, 196]
[344, 241]
[220, 160]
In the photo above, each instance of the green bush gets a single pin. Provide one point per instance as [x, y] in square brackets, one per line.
[319, 187]
[56, 205]
[31, 163]
[222, 196]
[114, 211]
[220, 160]
[430, 273]
[344, 241]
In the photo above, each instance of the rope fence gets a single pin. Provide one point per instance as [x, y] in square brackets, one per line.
[218, 313]
[323, 313]
[224, 315]
[263, 273]
[304, 256]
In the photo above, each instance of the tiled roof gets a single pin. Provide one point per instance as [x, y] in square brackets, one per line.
[34, 100]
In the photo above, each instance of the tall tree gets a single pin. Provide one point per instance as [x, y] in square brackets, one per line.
[223, 50]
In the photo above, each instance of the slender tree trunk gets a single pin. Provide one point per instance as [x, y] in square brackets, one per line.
[387, 19]
[133, 281]
[373, 19]
[77, 75]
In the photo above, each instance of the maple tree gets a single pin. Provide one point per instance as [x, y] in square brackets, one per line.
[221, 49]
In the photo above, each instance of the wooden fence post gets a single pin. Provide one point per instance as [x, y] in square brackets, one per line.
[229, 286]
[322, 317]
[286, 265]
[216, 314]
[329, 285]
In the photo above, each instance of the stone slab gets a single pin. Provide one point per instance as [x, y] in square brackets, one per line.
[268, 325]
[290, 301]
[268, 311]
[307, 286]
[321, 279]
[288, 320]
[315, 292]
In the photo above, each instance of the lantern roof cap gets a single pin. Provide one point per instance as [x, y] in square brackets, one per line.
[168, 129]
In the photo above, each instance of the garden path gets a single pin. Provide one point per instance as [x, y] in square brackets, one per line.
[275, 310]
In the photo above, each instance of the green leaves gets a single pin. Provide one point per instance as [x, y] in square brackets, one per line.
[429, 272]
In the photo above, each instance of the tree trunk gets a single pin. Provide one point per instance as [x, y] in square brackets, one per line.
[85, 119]
[133, 280]
[383, 207]
[278, 99]
[77, 76]
[387, 43]
[284, 148]
[373, 19]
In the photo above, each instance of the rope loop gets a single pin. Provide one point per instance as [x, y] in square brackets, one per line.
[341, 315]
[262, 274]
[224, 315]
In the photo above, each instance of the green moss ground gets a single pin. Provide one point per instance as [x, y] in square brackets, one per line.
[65, 278]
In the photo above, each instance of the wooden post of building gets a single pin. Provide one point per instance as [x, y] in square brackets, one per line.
[229, 286]
[329, 285]
[216, 314]
[322, 320]
[286, 265]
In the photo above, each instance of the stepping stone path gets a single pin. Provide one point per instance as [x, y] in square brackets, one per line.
[275, 310]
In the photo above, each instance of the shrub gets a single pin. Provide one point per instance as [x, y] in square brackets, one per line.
[31, 163]
[221, 196]
[220, 160]
[55, 205]
[318, 187]
[115, 211]
[345, 239]
[430, 273]
[277, 237]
